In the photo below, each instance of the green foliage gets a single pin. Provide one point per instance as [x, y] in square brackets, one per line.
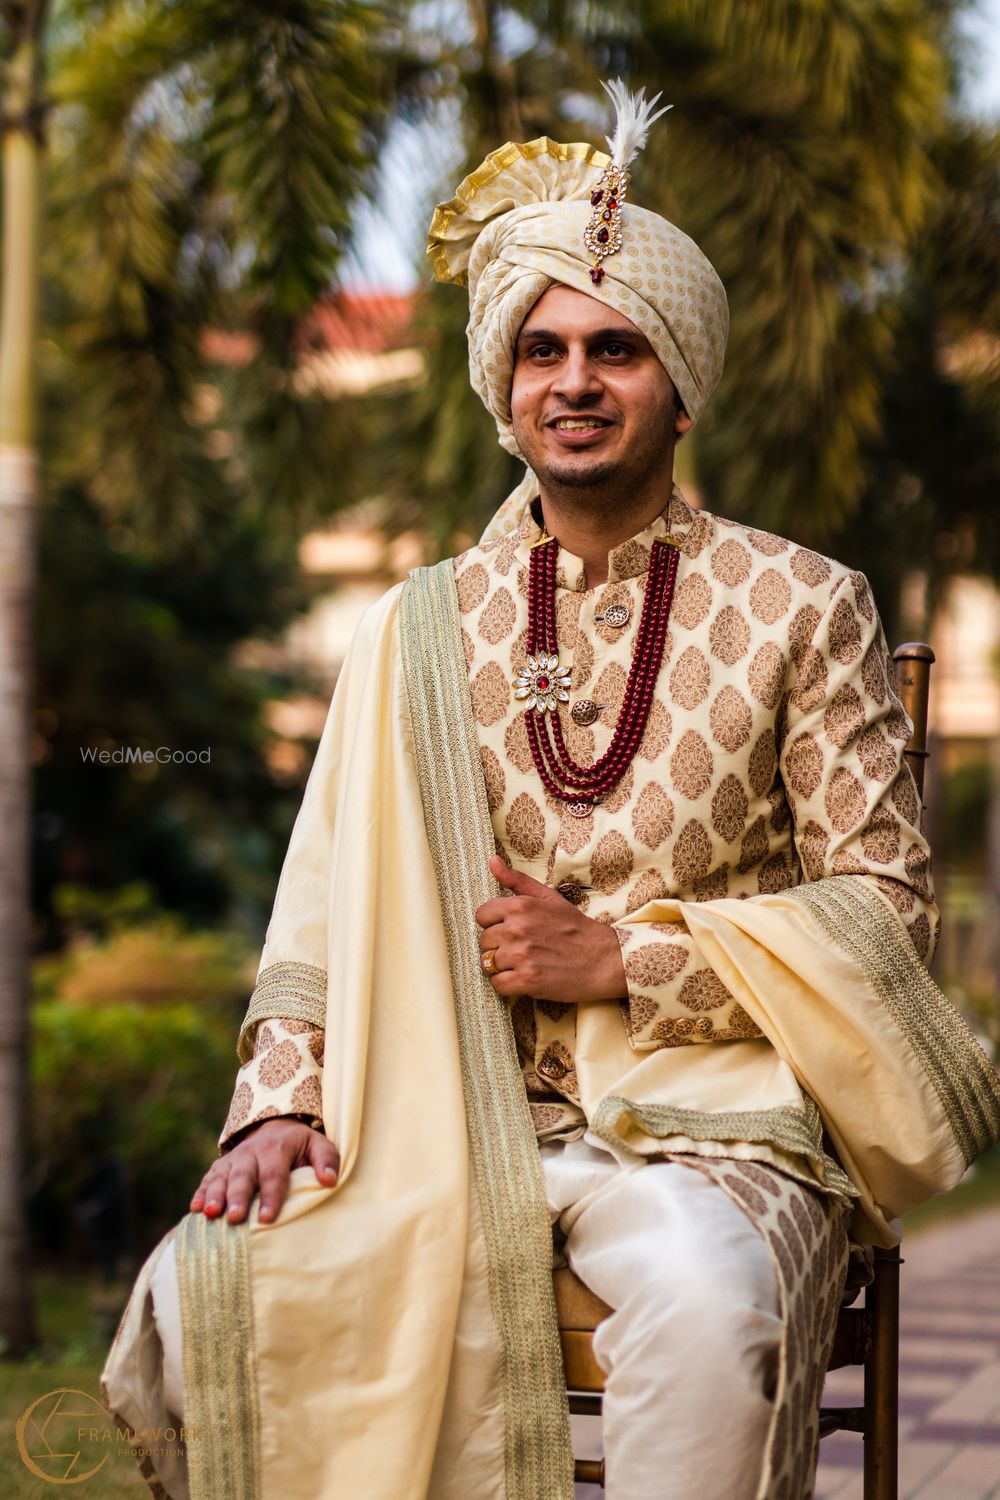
[816, 152]
[203, 165]
[205, 159]
[86, 912]
[462, 473]
[966, 796]
[155, 962]
[932, 471]
[148, 1086]
[150, 662]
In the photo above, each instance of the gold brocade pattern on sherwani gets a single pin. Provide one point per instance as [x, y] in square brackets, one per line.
[280, 1045]
[805, 1234]
[284, 1075]
[284, 989]
[772, 756]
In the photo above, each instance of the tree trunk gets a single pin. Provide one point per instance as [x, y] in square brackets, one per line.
[21, 152]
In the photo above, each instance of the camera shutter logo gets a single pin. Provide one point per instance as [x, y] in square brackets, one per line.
[49, 1435]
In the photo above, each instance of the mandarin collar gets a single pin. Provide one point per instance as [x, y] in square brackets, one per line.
[630, 559]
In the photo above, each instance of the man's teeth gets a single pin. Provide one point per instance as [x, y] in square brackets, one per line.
[574, 424]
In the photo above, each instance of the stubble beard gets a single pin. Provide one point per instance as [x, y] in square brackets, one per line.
[586, 487]
[602, 485]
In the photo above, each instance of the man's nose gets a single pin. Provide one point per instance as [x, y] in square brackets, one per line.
[577, 378]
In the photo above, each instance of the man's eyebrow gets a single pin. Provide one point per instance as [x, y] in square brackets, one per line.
[596, 336]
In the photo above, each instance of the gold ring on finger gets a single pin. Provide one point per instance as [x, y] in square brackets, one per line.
[488, 962]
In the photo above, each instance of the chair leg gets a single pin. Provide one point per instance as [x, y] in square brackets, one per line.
[881, 1478]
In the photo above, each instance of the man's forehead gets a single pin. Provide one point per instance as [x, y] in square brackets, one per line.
[565, 311]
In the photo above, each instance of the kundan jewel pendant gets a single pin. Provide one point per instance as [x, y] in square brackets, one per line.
[542, 684]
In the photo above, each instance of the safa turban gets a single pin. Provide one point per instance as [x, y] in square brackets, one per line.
[516, 226]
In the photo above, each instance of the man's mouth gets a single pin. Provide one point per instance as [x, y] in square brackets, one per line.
[578, 424]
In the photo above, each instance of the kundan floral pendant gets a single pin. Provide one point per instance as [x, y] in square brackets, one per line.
[542, 684]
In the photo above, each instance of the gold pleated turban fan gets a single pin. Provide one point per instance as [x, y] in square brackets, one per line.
[542, 213]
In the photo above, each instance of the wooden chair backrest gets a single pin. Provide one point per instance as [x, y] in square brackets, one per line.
[913, 663]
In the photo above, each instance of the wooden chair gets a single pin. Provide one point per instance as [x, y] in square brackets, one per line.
[867, 1335]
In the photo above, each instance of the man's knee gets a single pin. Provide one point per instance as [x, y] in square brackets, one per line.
[707, 1289]
[688, 1295]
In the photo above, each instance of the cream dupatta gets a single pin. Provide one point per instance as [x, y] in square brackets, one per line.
[828, 972]
[394, 1337]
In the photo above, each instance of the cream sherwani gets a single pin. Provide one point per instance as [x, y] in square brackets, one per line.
[772, 756]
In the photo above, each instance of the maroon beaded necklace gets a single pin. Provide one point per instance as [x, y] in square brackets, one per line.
[544, 684]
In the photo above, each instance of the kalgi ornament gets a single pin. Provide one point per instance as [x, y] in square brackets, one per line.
[633, 117]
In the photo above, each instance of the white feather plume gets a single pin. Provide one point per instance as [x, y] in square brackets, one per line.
[633, 119]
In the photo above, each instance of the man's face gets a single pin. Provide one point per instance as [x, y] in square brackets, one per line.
[591, 405]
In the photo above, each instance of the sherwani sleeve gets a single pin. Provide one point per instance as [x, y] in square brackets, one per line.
[847, 797]
[853, 799]
[673, 997]
[283, 1077]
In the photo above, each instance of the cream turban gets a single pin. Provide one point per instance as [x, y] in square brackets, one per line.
[515, 227]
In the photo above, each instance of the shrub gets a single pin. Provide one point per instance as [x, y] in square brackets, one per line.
[124, 1093]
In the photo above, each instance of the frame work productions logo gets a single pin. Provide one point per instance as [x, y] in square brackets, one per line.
[66, 1436]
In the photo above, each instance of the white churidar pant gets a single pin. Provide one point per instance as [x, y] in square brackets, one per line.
[690, 1351]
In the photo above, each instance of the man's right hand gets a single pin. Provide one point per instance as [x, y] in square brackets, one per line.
[264, 1159]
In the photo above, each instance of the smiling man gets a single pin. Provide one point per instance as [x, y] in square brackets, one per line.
[596, 417]
[602, 928]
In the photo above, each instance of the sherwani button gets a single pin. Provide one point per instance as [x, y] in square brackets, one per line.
[617, 615]
[584, 711]
[572, 890]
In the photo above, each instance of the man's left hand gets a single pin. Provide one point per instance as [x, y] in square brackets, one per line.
[546, 948]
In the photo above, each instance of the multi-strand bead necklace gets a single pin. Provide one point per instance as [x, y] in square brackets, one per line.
[542, 684]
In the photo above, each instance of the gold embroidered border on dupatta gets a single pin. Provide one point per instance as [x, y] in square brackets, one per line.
[506, 1164]
[219, 1358]
[961, 1074]
[798, 1132]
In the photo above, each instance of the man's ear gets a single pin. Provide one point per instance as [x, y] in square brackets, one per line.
[682, 422]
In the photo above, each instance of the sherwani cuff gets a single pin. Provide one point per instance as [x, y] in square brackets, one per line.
[673, 998]
[283, 1077]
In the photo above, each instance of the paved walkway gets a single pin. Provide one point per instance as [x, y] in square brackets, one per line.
[949, 1372]
[949, 1433]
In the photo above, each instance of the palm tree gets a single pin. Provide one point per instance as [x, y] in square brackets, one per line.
[21, 120]
[203, 166]
[808, 153]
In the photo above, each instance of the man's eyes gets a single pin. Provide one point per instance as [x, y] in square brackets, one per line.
[612, 350]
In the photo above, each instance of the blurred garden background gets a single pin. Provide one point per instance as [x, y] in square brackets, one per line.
[233, 410]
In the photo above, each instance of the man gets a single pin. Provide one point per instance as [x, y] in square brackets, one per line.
[681, 738]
